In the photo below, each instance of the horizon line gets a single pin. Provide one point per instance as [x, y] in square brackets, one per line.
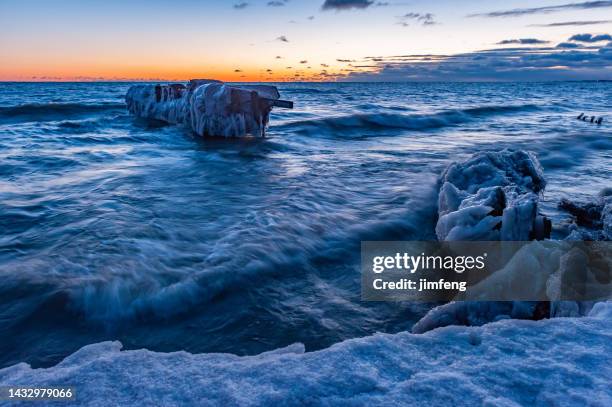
[320, 82]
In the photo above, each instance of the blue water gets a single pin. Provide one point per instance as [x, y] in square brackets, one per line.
[117, 228]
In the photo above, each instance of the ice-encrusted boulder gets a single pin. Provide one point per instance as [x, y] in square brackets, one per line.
[492, 196]
[593, 219]
[208, 107]
[489, 197]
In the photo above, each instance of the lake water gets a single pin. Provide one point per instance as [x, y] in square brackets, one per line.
[117, 228]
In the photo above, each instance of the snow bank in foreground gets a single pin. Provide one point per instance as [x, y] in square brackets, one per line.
[562, 362]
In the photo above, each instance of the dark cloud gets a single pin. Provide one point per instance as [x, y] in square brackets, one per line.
[523, 41]
[546, 9]
[346, 4]
[240, 6]
[590, 38]
[500, 64]
[277, 3]
[237, 70]
[345, 60]
[303, 62]
[282, 38]
[568, 45]
[420, 18]
[572, 23]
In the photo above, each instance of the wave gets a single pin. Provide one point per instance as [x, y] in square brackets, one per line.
[373, 121]
[311, 91]
[50, 111]
[89, 124]
[147, 292]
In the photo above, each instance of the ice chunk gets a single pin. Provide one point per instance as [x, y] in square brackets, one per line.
[593, 222]
[593, 218]
[473, 313]
[208, 107]
[496, 364]
[491, 196]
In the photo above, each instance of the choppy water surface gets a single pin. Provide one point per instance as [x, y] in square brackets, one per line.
[115, 228]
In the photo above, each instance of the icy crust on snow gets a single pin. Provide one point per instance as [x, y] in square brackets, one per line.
[561, 362]
[209, 108]
[491, 196]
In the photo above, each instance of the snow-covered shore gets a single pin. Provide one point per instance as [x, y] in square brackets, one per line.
[560, 361]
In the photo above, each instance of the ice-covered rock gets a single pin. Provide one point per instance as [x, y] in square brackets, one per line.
[492, 196]
[552, 273]
[560, 362]
[208, 107]
[593, 219]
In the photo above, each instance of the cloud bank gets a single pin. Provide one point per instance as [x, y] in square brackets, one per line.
[524, 41]
[517, 12]
[591, 38]
[569, 60]
[572, 23]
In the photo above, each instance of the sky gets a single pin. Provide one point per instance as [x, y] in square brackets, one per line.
[305, 40]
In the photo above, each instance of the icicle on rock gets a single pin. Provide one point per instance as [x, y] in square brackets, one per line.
[492, 196]
[208, 107]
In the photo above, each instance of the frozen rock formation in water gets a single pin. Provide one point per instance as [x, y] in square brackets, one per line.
[561, 362]
[593, 219]
[208, 107]
[492, 196]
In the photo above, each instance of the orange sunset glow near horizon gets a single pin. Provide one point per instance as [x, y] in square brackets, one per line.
[300, 40]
